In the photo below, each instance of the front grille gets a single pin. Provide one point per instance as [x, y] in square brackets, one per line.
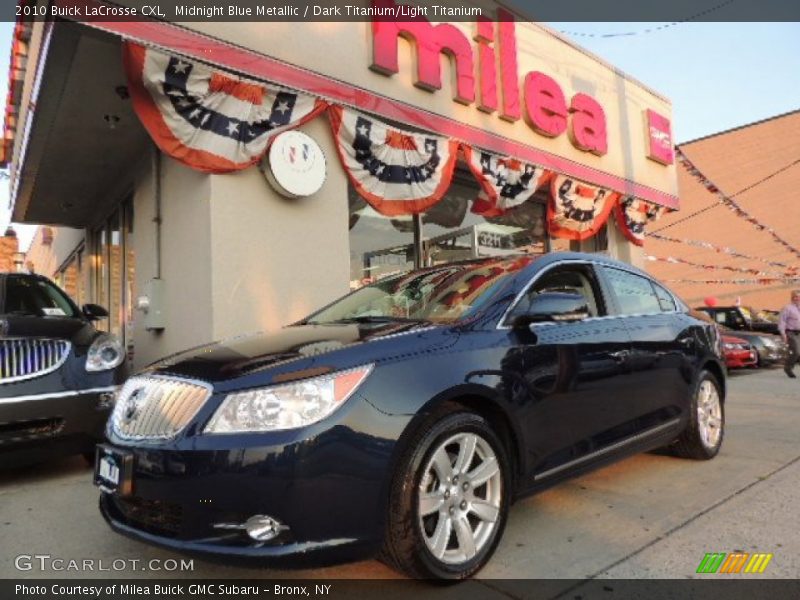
[27, 358]
[151, 407]
[153, 516]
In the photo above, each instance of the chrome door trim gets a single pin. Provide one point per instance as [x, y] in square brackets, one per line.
[615, 446]
[501, 324]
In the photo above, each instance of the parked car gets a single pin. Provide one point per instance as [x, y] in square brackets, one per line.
[405, 418]
[741, 318]
[58, 373]
[738, 353]
[770, 349]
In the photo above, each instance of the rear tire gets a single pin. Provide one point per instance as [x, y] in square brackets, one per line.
[449, 498]
[702, 438]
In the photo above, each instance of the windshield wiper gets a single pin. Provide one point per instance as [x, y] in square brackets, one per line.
[373, 319]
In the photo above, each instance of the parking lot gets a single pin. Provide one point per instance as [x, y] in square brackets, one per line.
[650, 516]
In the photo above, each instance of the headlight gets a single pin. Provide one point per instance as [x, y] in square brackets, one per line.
[769, 342]
[286, 406]
[105, 353]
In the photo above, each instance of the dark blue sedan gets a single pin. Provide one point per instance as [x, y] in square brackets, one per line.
[403, 419]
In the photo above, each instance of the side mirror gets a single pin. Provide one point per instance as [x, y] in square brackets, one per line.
[93, 312]
[556, 307]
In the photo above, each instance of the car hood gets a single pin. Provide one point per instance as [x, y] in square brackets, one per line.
[298, 351]
[76, 330]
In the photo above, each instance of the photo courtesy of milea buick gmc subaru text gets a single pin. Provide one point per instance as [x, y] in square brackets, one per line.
[58, 374]
[403, 419]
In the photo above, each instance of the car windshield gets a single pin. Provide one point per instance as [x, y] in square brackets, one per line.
[31, 296]
[440, 295]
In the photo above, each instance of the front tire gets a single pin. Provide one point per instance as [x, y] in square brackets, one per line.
[449, 498]
[702, 438]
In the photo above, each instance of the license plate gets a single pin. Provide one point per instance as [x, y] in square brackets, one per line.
[113, 470]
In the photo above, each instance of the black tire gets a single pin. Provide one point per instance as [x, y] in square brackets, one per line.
[88, 457]
[405, 547]
[692, 443]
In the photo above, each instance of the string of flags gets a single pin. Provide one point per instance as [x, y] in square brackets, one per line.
[723, 250]
[758, 281]
[730, 203]
[216, 121]
[681, 261]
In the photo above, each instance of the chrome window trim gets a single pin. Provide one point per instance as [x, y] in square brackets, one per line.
[602, 451]
[501, 325]
[43, 372]
[124, 439]
[67, 394]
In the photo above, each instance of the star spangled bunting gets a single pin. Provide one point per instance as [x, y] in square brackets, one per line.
[505, 181]
[577, 210]
[209, 119]
[397, 172]
[730, 203]
[633, 214]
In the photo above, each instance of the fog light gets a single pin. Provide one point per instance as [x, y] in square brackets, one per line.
[261, 528]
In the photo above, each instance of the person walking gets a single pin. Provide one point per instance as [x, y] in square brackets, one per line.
[789, 328]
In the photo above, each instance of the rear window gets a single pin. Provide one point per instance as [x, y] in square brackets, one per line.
[31, 296]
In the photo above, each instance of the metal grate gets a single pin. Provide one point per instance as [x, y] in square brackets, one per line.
[151, 407]
[27, 358]
[154, 516]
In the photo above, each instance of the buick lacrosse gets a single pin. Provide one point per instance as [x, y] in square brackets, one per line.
[402, 420]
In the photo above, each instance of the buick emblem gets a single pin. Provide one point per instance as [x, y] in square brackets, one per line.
[3, 327]
[131, 407]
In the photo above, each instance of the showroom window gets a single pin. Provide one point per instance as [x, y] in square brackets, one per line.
[71, 277]
[447, 232]
[113, 270]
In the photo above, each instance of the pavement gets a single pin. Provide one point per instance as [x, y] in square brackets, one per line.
[650, 516]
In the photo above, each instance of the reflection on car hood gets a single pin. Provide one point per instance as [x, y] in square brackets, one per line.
[76, 330]
[242, 356]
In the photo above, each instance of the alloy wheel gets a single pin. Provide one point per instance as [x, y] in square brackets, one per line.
[709, 414]
[459, 498]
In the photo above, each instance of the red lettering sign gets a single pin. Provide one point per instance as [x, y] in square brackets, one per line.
[588, 127]
[659, 138]
[430, 41]
[546, 108]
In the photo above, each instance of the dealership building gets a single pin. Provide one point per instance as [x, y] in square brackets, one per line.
[209, 179]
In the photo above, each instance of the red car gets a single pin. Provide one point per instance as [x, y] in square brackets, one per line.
[738, 353]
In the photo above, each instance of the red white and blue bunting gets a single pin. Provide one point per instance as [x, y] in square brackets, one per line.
[633, 214]
[206, 118]
[577, 210]
[398, 172]
[505, 181]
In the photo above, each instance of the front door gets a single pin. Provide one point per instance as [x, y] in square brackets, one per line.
[573, 375]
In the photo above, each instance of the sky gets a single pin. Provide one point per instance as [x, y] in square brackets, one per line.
[717, 75]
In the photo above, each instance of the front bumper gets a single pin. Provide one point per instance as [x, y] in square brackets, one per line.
[740, 359]
[36, 427]
[328, 484]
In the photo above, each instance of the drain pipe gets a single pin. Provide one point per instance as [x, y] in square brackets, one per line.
[157, 207]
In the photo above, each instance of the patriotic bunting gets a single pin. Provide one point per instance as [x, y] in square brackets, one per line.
[505, 182]
[730, 202]
[633, 214]
[398, 172]
[577, 210]
[206, 118]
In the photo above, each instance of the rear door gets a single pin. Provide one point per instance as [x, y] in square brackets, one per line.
[663, 348]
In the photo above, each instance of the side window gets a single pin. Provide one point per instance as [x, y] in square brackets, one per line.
[664, 299]
[572, 280]
[634, 293]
